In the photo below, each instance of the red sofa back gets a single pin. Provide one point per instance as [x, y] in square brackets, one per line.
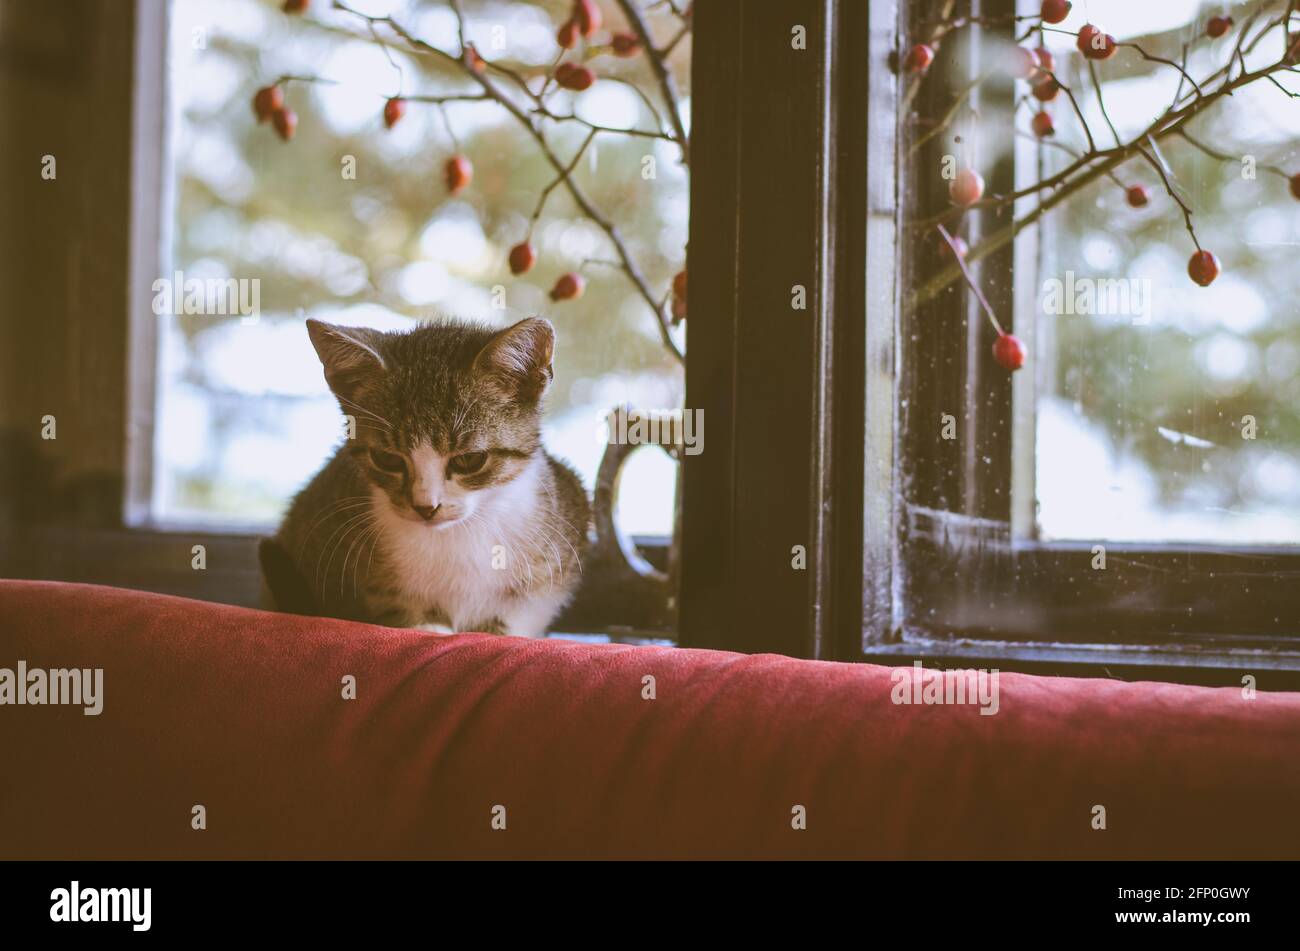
[242, 712]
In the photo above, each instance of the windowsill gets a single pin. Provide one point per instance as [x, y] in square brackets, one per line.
[1111, 661]
[201, 526]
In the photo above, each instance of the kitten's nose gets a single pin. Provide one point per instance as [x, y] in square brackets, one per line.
[427, 512]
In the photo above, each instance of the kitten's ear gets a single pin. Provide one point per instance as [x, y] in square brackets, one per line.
[348, 354]
[519, 358]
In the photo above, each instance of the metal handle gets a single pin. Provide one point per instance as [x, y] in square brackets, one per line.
[613, 549]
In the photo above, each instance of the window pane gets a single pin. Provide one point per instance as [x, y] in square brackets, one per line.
[244, 418]
[1167, 411]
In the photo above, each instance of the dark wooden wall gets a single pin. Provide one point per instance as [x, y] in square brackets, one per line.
[65, 91]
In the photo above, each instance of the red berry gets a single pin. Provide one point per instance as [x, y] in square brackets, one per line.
[295, 6]
[967, 187]
[1023, 64]
[568, 287]
[945, 249]
[1295, 186]
[1054, 11]
[567, 36]
[285, 122]
[918, 58]
[679, 284]
[1043, 125]
[626, 44]
[1203, 268]
[1138, 195]
[394, 109]
[1095, 44]
[574, 77]
[522, 258]
[679, 310]
[1217, 26]
[1046, 89]
[1009, 352]
[587, 13]
[266, 100]
[1045, 60]
[457, 173]
[476, 62]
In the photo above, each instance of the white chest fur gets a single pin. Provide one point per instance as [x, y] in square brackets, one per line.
[469, 571]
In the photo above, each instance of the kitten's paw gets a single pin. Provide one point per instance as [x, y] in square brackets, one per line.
[434, 628]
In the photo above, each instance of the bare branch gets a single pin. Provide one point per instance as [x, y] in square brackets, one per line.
[588, 208]
[1173, 192]
[1101, 102]
[1087, 169]
[658, 63]
[1224, 157]
[970, 279]
[568, 170]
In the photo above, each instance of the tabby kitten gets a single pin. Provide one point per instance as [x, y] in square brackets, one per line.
[444, 511]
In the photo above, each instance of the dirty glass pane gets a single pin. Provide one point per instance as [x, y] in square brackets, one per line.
[1167, 411]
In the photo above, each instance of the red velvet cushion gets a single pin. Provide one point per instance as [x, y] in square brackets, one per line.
[241, 711]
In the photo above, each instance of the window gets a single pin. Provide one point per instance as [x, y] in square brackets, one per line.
[244, 418]
[917, 545]
[350, 222]
[1103, 496]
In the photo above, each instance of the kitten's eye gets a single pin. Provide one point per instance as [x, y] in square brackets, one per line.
[387, 461]
[467, 462]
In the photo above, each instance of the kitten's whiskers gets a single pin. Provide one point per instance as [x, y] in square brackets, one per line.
[368, 412]
[335, 507]
[359, 545]
[345, 529]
